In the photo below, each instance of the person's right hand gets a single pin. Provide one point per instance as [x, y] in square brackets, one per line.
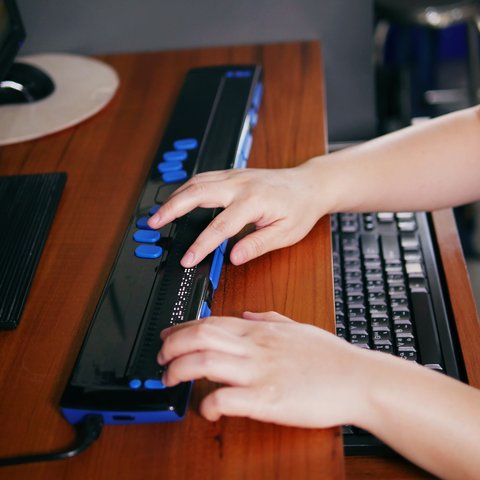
[279, 203]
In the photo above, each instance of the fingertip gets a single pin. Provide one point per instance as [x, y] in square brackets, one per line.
[238, 256]
[189, 259]
[160, 359]
[208, 410]
[153, 221]
[250, 247]
[165, 333]
[158, 219]
[166, 380]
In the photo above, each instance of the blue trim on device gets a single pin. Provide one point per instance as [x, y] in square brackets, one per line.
[126, 417]
[257, 96]
[205, 310]
[239, 73]
[216, 269]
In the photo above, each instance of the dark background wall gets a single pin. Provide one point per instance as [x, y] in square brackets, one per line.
[105, 26]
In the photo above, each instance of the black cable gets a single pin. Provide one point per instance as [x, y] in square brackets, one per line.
[88, 430]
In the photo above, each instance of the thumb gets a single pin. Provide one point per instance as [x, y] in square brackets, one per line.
[257, 243]
[266, 316]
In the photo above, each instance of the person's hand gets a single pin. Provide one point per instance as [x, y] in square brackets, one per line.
[275, 369]
[279, 203]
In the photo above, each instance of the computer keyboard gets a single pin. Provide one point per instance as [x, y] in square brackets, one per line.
[27, 207]
[116, 373]
[389, 295]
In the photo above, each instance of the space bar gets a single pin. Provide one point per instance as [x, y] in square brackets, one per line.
[427, 334]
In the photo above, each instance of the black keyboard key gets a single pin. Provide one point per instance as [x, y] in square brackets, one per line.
[359, 324]
[369, 246]
[427, 334]
[383, 347]
[405, 339]
[408, 355]
[385, 217]
[390, 247]
[410, 241]
[380, 321]
[407, 226]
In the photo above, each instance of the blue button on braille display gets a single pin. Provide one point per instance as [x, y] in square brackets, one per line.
[154, 209]
[169, 166]
[142, 223]
[146, 236]
[175, 156]
[153, 384]
[135, 383]
[148, 251]
[185, 144]
[175, 176]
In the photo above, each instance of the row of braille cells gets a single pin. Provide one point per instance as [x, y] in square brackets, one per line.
[172, 170]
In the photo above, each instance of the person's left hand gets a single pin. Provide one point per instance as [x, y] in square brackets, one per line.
[274, 369]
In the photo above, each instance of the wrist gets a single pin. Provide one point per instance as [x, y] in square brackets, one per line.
[332, 190]
[382, 396]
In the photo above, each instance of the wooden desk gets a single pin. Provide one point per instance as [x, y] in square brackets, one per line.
[107, 158]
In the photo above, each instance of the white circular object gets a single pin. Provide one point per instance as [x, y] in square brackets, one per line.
[83, 86]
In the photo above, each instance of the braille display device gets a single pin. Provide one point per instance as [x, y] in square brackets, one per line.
[116, 374]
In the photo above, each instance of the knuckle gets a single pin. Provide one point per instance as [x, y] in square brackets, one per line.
[210, 320]
[169, 207]
[219, 226]
[197, 188]
[206, 360]
[202, 330]
[257, 245]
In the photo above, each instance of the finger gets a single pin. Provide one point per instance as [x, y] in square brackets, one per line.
[266, 316]
[224, 226]
[234, 325]
[258, 243]
[199, 194]
[215, 366]
[231, 401]
[212, 176]
[202, 336]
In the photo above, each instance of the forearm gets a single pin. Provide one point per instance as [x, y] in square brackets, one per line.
[427, 417]
[429, 166]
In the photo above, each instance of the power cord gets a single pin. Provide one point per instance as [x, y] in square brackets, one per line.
[88, 430]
